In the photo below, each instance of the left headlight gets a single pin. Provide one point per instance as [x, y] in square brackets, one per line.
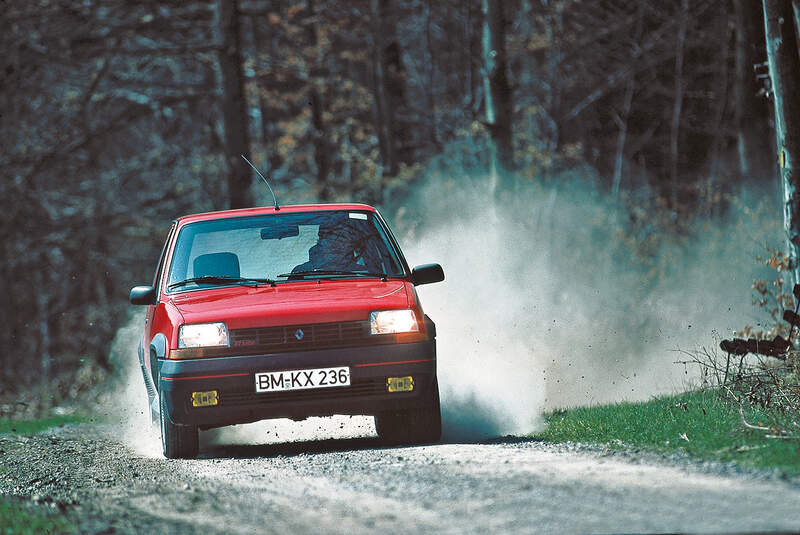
[393, 321]
[203, 335]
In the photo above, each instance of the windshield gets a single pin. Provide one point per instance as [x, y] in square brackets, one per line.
[280, 247]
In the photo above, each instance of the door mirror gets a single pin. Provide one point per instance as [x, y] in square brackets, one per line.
[143, 295]
[426, 274]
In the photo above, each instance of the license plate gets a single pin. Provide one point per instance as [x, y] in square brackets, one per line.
[302, 379]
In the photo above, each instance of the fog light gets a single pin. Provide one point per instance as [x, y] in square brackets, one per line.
[205, 399]
[400, 384]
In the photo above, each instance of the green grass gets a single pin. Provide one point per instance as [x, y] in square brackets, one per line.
[29, 427]
[18, 520]
[698, 423]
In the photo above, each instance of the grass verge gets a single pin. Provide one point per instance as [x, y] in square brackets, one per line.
[29, 427]
[697, 423]
[18, 520]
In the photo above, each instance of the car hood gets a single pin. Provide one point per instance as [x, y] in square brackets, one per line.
[293, 303]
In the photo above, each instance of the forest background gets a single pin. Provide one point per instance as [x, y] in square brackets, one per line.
[118, 116]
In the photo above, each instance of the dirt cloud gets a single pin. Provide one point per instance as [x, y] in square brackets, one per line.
[546, 303]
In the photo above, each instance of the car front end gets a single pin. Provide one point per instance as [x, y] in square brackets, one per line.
[308, 312]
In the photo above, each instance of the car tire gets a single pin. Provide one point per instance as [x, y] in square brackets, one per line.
[177, 441]
[412, 426]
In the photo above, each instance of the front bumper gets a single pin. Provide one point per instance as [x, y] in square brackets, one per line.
[234, 378]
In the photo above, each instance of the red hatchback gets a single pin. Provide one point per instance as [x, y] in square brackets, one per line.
[302, 311]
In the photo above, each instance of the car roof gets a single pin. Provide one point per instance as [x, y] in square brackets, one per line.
[263, 210]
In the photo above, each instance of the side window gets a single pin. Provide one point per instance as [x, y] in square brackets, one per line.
[162, 258]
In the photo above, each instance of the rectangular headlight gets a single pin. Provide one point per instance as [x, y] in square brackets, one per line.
[203, 335]
[393, 321]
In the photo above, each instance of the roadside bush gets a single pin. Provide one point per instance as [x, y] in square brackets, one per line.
[769, 383]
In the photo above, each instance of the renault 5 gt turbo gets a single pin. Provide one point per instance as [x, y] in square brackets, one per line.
[287, 312]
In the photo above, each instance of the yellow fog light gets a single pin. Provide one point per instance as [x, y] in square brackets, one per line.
[400, 384]
[205, 399]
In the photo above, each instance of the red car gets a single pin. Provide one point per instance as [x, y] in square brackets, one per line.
[287, 313]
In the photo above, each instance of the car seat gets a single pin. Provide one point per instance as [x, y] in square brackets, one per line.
[216, 265]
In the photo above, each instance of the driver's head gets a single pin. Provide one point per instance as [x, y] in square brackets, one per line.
[325, 248]
[317, 254]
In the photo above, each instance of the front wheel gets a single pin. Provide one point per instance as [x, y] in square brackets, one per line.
[412, 426]
[177, 441]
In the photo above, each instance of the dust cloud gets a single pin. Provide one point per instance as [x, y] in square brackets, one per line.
[125, 400]
[545, 304]
[283, 430]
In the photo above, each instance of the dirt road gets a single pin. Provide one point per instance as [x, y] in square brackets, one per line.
[355, 486]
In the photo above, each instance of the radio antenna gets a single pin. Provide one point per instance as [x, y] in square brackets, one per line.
[275, 199]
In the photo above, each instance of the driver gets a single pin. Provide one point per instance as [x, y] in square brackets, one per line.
[331, 252]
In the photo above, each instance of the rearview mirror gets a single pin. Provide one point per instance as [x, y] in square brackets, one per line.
[143, 295]
[426, 274]
[279, 232]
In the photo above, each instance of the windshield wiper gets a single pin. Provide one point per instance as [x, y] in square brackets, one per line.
[324, 272]
[210, 279]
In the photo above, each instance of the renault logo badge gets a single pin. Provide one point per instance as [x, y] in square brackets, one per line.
[299, 334]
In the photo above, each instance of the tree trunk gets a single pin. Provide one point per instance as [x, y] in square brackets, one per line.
[784, 69]
[234, 106]
[497, 93]
[321, 159]
[321, 150]
[263, 108]
[796, 9]
[430, 88]
[42, 310]
[383, 34]
[719, 124]
[744, 88]
[622, 121]
[677, 102]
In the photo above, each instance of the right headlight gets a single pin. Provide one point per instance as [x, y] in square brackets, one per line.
[393, 321]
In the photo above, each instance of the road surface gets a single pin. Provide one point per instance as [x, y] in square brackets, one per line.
[93, 476]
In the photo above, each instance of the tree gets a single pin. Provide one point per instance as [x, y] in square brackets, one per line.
[750, 132]
[796, 9]
[317, 81]
[234, 106]
[382, 41]
[784, 69]
[677, 103]
[497, 98]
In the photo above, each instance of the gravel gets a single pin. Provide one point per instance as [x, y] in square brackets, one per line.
[353, 485]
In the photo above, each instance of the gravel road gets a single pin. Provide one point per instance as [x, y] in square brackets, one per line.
[352, 485]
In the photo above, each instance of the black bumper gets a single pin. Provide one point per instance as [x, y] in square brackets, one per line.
[234, 379]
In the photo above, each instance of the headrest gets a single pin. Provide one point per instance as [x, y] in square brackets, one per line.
[216, 265]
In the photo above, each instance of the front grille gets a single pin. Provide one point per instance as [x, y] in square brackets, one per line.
[309, 336]
[357, 389]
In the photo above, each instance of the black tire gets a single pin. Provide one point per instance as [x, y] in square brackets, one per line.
[177, 441]
[412, 426]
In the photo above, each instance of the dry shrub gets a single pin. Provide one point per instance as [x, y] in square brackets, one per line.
[769, 384]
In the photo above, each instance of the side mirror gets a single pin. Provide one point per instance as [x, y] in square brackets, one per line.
[143, 295]
[426, 274]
